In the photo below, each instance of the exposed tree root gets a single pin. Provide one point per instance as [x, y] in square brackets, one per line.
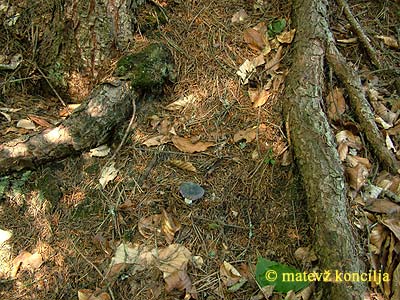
[360, 33]
[365, 40]
[361, 107]
[316, 153]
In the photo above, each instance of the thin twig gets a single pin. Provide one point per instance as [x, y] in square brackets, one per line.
[127, 130]
[360, 33]
[52, 88]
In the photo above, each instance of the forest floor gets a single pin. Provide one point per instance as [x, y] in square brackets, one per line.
[253, 205]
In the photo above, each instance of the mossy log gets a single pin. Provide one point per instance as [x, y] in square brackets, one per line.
[94, 122]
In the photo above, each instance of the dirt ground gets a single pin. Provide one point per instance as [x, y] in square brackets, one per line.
[253, 205]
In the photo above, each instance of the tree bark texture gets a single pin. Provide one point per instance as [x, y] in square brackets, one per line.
[93, 123]
[315, 151]
[81, 37]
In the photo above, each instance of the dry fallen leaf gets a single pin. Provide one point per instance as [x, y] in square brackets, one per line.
[286, 37]
[347, 137]
[169, 226]
[382, 111]
[305, 255]
[186, 145]
[377, 236]
[254, 39]
[229, 274]
[100, 151]
[274, 63]
[150, 226]
[108, 174]
[26, 260]
[7, 116]
[86, 294]
[260, 97]
[157, 140]
[66, 111]
[249, 134]
[395, 280]
[389, 143]
[336, 104]
[389, 41]
[26, 124]
[393, 224]
[357, 176]
[181, 102]
[382, 206]
[184, 165]
[40, 121]
[258, 60]
[172, 261]
[245, 70]
[239, 16]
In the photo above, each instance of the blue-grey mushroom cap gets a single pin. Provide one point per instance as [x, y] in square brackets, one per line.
[191, 191]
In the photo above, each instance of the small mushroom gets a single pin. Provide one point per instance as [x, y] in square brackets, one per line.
[191, 192]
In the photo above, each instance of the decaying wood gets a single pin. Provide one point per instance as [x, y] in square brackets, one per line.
[316, 153]
[94, 122]
[361, 107]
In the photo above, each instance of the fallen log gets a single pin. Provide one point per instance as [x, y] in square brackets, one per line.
[316, 154]
[94, 122]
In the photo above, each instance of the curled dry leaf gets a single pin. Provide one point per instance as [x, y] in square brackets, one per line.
[169, 226]
[249, 134]
[5, 235]
[100, 151]
[150, 226]
[26, 260]
[245, 71]
[382, 206]
[229, 275]
[86, 294]
[389, 143]
[157, 140]
[254, 39]
[7, 116]
[26, 124]
[347, 137]
[40, 121]
[182, 102]
[377, 236]
[357, 176]
[184, 165]
[66, 111]
[336, 104]
[186, 145]
[393, 224]
[389, 41]
[396, 287]
[286, 37]
[382, 111]
[108, 174]
[354, 160]
[273, 64]
[239, 16]
[172, 261]
[343, 150]
[260, 97]
[258, 60]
